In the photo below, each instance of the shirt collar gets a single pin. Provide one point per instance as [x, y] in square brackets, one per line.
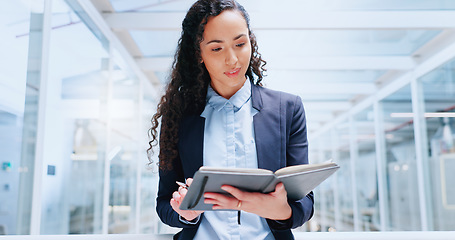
[238, 99]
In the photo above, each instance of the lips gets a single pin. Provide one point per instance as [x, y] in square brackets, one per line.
[233, 72]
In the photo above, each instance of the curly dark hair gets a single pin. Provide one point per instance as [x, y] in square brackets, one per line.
[186, 92]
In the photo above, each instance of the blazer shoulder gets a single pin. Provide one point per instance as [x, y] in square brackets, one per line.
[269, 95]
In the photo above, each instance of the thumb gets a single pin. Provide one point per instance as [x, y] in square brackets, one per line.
[279, 188]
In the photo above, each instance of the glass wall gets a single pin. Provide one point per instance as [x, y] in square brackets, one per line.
[439, 103]
[66, 80]
[324, 215]
[15, 35]
[342, 185]
[365, 174]
[335, 199]
[400, 162]
[124, 149]
[148, 172]
[75, 146]
[385, 136]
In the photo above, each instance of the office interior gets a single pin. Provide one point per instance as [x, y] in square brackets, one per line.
[80, 80]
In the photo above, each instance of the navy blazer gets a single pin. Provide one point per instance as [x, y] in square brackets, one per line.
[281, 140]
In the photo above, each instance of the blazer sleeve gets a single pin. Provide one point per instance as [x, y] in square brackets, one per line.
[296, 153]
[166, 188]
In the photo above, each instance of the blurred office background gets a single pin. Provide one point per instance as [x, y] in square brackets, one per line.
[80, 80]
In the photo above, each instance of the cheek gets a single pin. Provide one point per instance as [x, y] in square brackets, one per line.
[246, 55]
[212, 64]
[205, 60]
[247, 52]
[203, 56]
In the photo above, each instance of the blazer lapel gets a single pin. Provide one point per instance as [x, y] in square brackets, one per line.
[266, 129]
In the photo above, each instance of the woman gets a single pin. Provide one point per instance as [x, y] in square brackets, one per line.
[215, 113]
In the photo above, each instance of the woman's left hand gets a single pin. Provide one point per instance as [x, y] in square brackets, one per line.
[272, 205]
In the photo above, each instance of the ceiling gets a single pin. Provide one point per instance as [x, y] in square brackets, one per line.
[333, 53]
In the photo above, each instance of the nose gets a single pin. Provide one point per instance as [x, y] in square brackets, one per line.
[231, 57]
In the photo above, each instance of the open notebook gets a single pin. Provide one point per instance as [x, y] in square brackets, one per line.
[298, 180]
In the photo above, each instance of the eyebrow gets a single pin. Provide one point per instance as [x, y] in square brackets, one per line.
[220, 41]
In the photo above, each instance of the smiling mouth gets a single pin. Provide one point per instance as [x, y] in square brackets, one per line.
[233, 72]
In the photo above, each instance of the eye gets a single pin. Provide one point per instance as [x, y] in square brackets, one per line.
[216, 49]
[240, 45]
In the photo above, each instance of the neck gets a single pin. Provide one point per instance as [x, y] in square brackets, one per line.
[227, 91]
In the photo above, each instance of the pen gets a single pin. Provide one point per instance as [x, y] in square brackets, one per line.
[183, 185]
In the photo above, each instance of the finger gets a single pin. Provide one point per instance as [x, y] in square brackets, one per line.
[216, 207]
[279, 190]
[215, 203]
[218, 197]
[221, 206]
[176, 196]
[211, 195]
[182, 191]
[189, 181]
[280, 187]
[221, 201]
[221, 198]
[237, 193]
[211, 201]
[174, 204]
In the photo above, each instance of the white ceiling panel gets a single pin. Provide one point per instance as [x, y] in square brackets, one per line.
[383, 20]
[332, 53]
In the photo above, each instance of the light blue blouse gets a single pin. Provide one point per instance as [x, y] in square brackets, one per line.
[229, 142]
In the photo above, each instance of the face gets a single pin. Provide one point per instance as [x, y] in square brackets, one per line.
[226, 51]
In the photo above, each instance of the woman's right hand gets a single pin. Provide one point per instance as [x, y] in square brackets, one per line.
[177, 198]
